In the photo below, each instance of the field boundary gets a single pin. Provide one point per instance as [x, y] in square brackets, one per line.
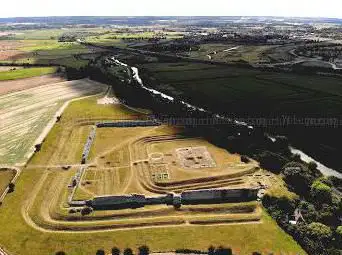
[17, 173]
[51, 123]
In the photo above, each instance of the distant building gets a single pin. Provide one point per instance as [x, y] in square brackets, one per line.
[296, 217]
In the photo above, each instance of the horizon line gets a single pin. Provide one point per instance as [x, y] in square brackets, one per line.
[134, 16]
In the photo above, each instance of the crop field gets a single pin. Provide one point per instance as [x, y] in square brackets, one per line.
[45, 51]
[131, 39]
[231, 52]
[248, 92]
[16, 85]
[26, 73]
[25, 114]
[10, 49]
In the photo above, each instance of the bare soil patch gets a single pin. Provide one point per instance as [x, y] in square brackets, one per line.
[8, 68]
[21, 84]
[9, 50]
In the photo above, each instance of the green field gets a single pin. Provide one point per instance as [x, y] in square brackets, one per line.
[249, 92]
[47, 51]
[26, 73]
[230, 52]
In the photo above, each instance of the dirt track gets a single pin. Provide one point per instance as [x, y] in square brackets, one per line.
[21, 84]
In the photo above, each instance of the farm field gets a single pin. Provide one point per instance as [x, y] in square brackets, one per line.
[75, 125]
[45, 52]
[26, 73]
[230, 53]
[248, 92]
[25, 114]
[16, 85]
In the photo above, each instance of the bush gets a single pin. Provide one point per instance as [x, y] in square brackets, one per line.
[312, 166]
[309, 212]
[298, 177]
[115, 251]
[318, 231]
[86, 211]
[144, 250]
[211, 250]
[296, 158]
[244, 159]
[128, 251]
[339, 237]
[271, 161]
[321, 193]
[223, 251]
[100, 252]
[11, 187]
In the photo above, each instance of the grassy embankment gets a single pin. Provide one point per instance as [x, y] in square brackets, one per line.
[68, 129]
[20, 238]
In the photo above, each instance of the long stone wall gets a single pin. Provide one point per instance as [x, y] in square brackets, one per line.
[204, 196]
[208, 196]
[88, 145]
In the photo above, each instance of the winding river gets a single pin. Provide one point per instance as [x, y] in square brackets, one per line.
[306, 158]
[324, 169]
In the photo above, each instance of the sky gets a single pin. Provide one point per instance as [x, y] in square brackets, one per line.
[288, 8]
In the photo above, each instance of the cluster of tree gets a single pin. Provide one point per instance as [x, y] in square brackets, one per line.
[178, 45]
[319, 203]
[67, 38]
[241, 38]
[145, 250]
[328, 52]
[73, 36]
[142, 250]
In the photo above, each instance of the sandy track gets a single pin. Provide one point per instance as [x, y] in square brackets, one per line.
[21, 84]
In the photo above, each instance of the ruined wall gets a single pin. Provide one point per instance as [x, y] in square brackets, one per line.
[218, 195]
[88, 145]
[205, 196]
